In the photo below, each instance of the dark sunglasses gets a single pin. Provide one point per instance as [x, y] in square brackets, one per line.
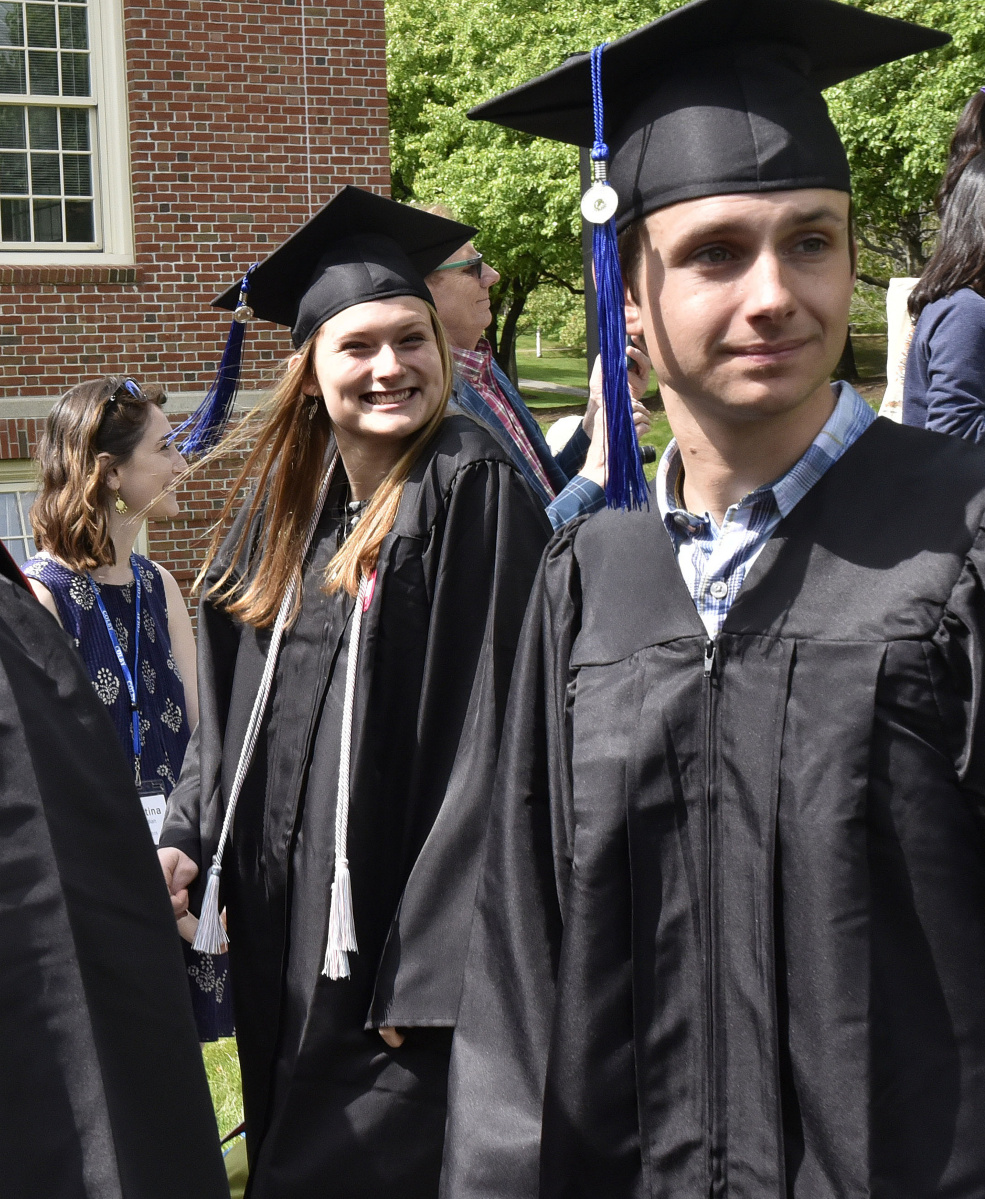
[470, 266]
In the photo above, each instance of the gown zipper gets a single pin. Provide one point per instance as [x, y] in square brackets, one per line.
[715, 1163]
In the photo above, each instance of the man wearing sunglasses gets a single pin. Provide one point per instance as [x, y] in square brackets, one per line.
[569, 483]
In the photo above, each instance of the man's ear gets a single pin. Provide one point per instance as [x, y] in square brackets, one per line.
[634, 314]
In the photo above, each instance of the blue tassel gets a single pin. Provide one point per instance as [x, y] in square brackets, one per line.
[625, 482]
[206, 425]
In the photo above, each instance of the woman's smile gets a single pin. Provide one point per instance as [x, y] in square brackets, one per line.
[389, 399]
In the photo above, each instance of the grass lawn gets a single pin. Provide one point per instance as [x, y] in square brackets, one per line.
[222, 1068]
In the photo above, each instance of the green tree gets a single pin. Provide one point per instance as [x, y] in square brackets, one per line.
[521, 192]
[896, 123]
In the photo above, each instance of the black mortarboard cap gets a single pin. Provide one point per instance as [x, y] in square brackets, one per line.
[359, 247]
[718, 96]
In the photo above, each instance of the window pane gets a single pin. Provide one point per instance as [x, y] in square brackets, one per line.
[15, 220]
[41, 25]
[72, 26]
[11, 127]
[47, 220]
[43, 123]
[10, 520]
[13, 174]
[12, 72]
[44, 175]
[78, 177]
[43, 66]
[17, 551]
[11, 25]
[75, 74]
[78, 220]
[75, 129]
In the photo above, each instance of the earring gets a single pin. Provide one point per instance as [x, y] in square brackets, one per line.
[121, 505]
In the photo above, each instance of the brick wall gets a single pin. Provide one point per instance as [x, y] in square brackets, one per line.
[220, 174]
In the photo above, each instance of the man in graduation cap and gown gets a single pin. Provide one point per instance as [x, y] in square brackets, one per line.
[376, 750]
[102, 1090]
[730, 935]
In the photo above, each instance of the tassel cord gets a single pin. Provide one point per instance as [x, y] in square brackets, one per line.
[341, 922]
[625, 485]
[202, 430]
[210, 937]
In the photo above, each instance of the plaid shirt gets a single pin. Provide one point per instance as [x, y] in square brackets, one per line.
[475, 367]
[715, 560]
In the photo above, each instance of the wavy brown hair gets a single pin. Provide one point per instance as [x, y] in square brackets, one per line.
[286, 467]
[70, 517]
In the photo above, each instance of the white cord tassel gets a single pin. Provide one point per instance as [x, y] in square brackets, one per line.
[210, 936]
[341, 922]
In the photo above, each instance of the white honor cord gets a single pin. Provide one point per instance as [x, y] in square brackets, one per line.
[341, 924]
[210, 936]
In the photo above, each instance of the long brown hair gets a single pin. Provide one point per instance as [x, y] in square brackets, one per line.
[286, 467]
[70, 517]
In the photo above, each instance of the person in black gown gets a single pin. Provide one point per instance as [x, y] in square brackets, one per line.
[103, 1093]
[730, 935]
[345, 1053]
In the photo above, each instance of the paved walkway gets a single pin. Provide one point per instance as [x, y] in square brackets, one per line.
[559, 389]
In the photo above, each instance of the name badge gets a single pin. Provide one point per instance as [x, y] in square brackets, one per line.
[155, 805]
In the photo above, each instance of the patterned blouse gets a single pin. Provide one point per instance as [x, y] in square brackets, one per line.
[164, 728]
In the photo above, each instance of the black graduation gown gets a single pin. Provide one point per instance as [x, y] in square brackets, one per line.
[730, 936]
[102, 1090]
[330, 1109]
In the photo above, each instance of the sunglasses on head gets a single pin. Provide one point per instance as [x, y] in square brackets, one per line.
[128, 388]
[470, 266]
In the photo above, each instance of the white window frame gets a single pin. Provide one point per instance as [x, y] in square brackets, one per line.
[21, 474]
[113, 205]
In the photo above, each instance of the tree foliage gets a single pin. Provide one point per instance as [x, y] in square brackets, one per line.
[896, 123]
[522, 192]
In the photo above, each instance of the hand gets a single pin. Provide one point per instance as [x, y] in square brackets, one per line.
[639, 382]
[393, 1038]
[187, 927]
[179, 873]
[594, 467]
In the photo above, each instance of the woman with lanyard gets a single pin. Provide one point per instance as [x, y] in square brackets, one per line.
[356, 640]
[107, 463]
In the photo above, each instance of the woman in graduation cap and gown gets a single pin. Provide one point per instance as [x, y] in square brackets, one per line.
[730, 934]
[348, 874]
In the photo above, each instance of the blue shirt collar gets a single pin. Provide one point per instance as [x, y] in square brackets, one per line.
[849, 420]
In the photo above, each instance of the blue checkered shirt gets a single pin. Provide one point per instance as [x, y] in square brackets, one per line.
[715, 560]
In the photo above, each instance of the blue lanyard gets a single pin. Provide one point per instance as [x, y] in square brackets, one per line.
[129, 678]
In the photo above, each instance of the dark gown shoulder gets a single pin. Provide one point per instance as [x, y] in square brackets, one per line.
[459, 448]
[891, 524]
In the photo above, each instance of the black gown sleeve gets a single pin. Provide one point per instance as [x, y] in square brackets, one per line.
[481, 562]
[102, 1088]
[959, 687]
[502, 1041]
